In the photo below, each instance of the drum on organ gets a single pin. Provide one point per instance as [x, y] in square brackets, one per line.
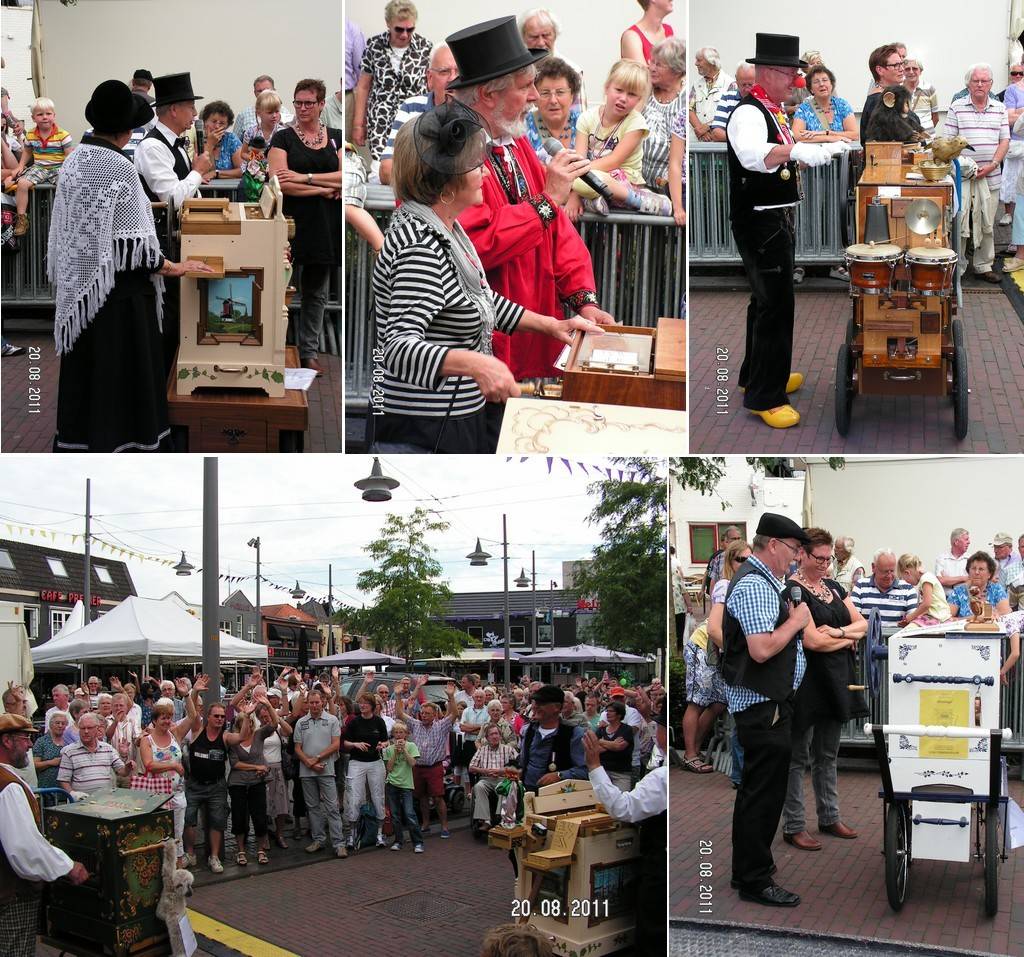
[903, 339]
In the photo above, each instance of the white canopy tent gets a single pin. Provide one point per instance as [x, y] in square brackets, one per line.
[143, 629]
[584, 653]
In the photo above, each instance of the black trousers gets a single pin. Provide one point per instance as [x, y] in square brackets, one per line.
[765, 242]
[755, 817]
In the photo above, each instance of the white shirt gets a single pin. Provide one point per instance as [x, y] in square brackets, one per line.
[648, 798]
[31, 856]
[156, 167]
[948, 565]
[750, 140]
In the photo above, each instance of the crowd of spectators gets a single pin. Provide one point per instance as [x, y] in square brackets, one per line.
[346, 770]
[400, 74]
[899, 588]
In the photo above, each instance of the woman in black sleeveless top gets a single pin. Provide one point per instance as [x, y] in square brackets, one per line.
[823, 701]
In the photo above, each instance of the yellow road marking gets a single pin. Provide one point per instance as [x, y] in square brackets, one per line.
[236, 939]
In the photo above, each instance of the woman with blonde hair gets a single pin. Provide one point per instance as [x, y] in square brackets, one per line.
[705, 690]
[160, 750]
[933, 607]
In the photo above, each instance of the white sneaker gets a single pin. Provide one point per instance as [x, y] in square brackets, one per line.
[417, 849]
[397, 846]
[380, 841]
[598, 205]
[1007, 220]
[215, 865]
[190, 860]
[654, 204]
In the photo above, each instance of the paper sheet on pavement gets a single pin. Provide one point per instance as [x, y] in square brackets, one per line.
[299, 378]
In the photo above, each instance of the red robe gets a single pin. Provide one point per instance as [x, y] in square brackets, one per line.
[537, 266]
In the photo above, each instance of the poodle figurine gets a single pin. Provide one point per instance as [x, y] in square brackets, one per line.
[171, 906]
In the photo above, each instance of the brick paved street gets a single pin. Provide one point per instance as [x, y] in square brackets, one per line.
[24, 432]
[994, 337]
[843, 885]
[439, 902]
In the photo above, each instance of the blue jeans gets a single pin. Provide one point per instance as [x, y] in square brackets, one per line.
[737, 759]
[401, 804]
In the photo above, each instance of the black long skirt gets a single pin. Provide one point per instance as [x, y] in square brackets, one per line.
[112, 395]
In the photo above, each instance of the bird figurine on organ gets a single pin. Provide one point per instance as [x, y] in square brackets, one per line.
[946, 148]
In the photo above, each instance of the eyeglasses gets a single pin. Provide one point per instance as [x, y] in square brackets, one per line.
[795, 548]
[550, 94]
[896, 65]
[409, 30]
[822, 559]
[741, 559]
[304, 104]
[447, 72]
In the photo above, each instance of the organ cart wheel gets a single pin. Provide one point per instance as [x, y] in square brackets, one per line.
[897, 853]
[960, 418]
[844, 388]
[851, 331]
[991, 860]
[457, 801]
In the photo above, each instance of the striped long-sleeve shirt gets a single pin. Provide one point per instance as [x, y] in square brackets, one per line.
[422, 313]
[983, 129]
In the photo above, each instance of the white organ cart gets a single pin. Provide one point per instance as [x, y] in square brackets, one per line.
[940, 754]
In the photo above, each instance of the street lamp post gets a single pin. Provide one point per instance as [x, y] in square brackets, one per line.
[211, 561]
[479, 557]
[87, 585]
[255, 543]
[330, 610]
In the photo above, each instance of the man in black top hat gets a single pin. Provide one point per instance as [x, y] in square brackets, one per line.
[763, 664]
[552, 751]
[763, 193]
[531, 251]
[169, 176]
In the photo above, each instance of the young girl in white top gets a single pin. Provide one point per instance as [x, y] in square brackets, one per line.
[613, 136]
[933, 608]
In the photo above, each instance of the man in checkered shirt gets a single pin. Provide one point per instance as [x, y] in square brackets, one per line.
[489, 763]
[763, 665]
[430, 735]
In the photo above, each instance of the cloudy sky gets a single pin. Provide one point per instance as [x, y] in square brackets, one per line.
[306, 513]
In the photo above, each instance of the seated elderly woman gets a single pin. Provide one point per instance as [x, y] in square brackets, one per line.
[824, 117]
[981, 567]
[442, 389]
[558, 86]
[217, 118]
[667, 101]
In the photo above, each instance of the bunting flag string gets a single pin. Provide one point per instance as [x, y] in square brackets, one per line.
[624, 475]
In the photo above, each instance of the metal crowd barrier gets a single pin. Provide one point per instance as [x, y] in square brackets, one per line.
[23, 279]
[823, 220]
[639, 268]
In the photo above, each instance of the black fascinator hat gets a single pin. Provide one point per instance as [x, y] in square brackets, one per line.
[448, 138]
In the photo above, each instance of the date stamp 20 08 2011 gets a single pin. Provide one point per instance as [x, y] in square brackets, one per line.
[721, 380]
[706, 873]
[35, 374]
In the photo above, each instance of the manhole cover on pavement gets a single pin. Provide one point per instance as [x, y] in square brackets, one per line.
[418, 906]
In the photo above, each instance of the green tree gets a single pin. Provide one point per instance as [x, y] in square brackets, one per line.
[409, 595]
[627, 572]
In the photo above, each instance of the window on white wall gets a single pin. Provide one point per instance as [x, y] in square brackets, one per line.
[707, 537]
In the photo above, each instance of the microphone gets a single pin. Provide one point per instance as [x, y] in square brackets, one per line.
[795, 594]
[200, 136]
[552, 146]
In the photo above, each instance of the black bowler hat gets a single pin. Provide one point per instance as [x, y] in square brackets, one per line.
[173, 88]
[548, 694]
[773, 525]
[488, 50]
[113, 108]
[778, 49]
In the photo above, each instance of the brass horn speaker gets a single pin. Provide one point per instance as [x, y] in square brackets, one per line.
[923, 216]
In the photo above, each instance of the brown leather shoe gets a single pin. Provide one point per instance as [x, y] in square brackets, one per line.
[990, 276]
[312, 364]
[839, 829]
[803, 841]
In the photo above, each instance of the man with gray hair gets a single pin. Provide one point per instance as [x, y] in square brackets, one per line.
[951, 566]
[982, 121]
[540, 28]
[847, 568]
[440, 72]
[711, 83]
[731, 99]
[884, 591]
[528, 246]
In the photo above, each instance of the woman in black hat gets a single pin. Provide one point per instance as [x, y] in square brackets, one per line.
[442, 389]
[105, 261]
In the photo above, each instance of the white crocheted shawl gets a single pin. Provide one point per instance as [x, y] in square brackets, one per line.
[101, 224]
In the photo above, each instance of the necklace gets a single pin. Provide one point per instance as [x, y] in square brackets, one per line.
[821, 590]
[315, 143]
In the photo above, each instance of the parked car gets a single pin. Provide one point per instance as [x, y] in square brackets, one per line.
[434, 689]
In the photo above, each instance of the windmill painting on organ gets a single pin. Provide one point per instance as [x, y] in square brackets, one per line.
[229, 305]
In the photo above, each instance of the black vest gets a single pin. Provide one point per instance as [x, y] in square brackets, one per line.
[560, 743]
[747, 188]
[181, 167]
[772, 678]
